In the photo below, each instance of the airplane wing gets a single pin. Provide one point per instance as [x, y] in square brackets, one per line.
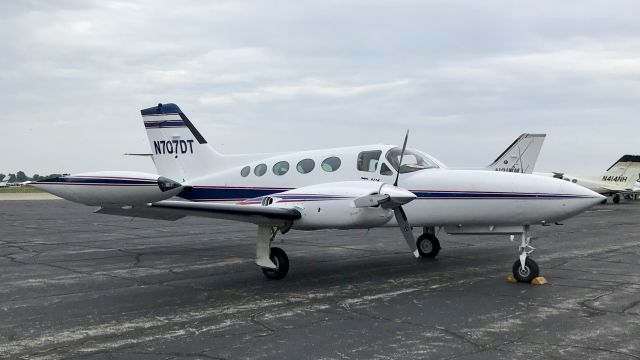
[174, 210]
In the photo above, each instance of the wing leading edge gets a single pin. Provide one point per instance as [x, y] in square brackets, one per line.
[174, 210]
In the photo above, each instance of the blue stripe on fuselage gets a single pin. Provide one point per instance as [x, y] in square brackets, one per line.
[489, 195]
[255, 194]
[221, 193]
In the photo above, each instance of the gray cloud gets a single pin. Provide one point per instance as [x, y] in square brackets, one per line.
[465, 76]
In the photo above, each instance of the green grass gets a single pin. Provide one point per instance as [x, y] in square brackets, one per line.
[19, 190]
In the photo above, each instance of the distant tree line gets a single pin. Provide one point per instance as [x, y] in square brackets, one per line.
[20, 176]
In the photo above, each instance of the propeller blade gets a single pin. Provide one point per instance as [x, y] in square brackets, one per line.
[371, 200]
[401, 218]
[404, 146]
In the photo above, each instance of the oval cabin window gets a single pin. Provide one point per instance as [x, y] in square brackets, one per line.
[305, 166]
[331, 164]
[260, 170]
[281, 168]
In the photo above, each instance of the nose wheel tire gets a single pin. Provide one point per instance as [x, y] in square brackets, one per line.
[280, 258]
[616, 198]
[428, 245]
[526, 274]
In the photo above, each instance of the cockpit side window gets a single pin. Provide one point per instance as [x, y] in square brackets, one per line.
[411, 161]
[368, 160]
[384, 170]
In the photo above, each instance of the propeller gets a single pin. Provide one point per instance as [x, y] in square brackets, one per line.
[407, 232]
[394, 197]
[404, 146]
[401, 216]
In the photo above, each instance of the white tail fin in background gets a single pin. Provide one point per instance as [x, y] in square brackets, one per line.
[624, 173]
[521, 156]
[178, 149]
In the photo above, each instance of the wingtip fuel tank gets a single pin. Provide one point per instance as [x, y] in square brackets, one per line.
[111, 188]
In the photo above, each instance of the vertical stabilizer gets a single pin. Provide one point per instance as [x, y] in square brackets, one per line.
[178, 149]
[521, 155]
[624, 173]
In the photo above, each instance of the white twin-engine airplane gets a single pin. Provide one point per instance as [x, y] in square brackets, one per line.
[358, 187]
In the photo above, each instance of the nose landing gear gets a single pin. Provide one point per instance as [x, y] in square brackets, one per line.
[525, 269]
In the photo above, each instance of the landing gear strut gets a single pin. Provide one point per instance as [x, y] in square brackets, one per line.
[525, 269]
[273, 260]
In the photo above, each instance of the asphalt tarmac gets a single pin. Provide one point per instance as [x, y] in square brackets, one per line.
[74, 284]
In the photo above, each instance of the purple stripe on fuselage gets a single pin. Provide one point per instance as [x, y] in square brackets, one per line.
[222, 193]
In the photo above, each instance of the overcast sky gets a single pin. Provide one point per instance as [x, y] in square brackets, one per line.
[466, 77]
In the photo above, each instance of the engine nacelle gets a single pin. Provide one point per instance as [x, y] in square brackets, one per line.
[111, 188]
[331, 206]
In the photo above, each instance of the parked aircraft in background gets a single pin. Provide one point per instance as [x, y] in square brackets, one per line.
[4, 182]
[621, 178]
[358, 187]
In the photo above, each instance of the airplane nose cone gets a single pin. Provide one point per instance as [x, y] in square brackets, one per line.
[583, 191]
[584, 198]
[398, 196]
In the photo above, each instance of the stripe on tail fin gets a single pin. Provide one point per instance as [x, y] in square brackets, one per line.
[178, 149]
[521, 156]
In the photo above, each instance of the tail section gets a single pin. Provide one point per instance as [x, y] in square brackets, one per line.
[521, 155]
[178, 149]
[625, 173]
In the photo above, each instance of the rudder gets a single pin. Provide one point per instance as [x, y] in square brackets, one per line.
[624, 173]
[521, 156]
[178, 149]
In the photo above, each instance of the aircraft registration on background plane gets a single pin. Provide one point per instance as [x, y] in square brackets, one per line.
[621, 178]
[358, 187]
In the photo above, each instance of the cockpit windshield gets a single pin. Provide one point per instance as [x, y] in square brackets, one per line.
[412, 160]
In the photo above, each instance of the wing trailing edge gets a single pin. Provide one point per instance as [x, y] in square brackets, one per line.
[175, 210]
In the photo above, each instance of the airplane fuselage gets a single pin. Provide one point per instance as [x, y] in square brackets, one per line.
[460, 198]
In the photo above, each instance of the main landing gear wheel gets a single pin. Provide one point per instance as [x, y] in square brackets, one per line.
[526, 274]
[616, 198]
[428, 245]
[279, 257]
